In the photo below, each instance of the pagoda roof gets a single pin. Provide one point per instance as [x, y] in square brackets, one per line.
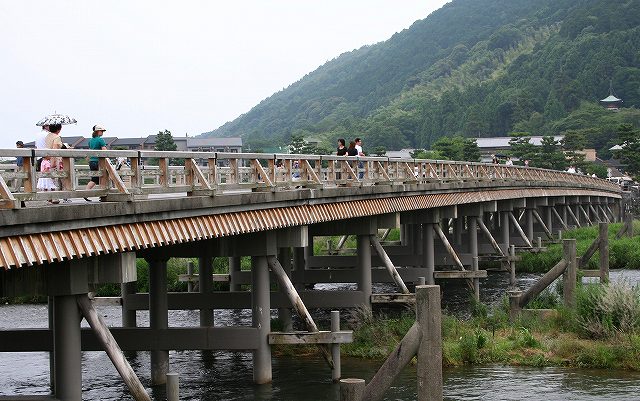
[611, 98]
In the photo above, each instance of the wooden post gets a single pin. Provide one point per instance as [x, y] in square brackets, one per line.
[514, 304]
[393, 365]
[351, 389]
[429, 320]
[335, 348]
[391, 269]
[173, 387]
[513, 283]
[112, 349]
[604, 252]
[569, 277]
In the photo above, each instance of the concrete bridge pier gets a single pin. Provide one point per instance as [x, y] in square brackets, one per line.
[67, 349]
[63, 282]
[234, 273]
[363, 266]
[205, 278]
[428, 252]
[158, 317]
[261, 317]
[284, 314]
[128, 314]
[299, 266]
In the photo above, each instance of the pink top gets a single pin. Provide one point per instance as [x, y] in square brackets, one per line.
[45, 166]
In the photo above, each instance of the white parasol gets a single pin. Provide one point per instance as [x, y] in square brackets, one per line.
[53, 119]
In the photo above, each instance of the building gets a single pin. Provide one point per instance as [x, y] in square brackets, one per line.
[611, 102]
[183, 144]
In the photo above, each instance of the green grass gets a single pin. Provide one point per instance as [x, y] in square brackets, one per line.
[624, 253]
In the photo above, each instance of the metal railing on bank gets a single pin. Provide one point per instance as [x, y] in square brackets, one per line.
[215, 173]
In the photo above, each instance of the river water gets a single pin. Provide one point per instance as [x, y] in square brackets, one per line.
[228, 375]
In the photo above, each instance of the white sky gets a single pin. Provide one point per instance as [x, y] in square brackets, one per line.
[138, 67]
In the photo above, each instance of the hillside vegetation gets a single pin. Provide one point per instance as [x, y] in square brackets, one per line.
[475, 68]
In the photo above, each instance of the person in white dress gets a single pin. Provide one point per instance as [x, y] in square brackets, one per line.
[46, 183]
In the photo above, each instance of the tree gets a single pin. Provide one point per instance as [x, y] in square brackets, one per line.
[629, 140]
[379, 151]
[521, 146]
[164, 141]
[572, 143]
[550, 155]
[298, 146]
[457, 148]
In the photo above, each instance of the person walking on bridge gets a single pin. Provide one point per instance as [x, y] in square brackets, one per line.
[95, 143]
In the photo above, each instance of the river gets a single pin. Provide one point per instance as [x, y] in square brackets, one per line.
[228, 375]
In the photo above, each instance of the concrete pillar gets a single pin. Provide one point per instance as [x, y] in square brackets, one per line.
[564, 214]
[548, 217]
[284, 314]
[67, 349]
[472, 222]
[299, 265]
[363, 266]
[504, 221]
[335, 348]
[158, 317]
[173, 387]
[428, 254]
[261, 317]
[234, 270]
[415, 242]
[352, 389]
[128, 315]
[576, 211]
[429, 366]
[205, 269]
[52, 370]
[529, 217]
[458, 228]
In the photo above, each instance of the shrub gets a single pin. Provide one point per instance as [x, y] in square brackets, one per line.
[545, 300]
[607, 310]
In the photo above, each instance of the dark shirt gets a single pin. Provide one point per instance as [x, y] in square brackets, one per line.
[19, 161]
[342, 152]
[352, 152]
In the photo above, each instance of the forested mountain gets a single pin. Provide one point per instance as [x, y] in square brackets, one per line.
[474, 67]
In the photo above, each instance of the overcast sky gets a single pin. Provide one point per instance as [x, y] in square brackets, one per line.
[137, 67]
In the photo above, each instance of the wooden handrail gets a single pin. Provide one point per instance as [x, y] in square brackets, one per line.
[216, 172]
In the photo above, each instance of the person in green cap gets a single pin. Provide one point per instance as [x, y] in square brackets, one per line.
[95, 143]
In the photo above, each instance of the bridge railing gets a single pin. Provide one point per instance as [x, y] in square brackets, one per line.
[124, 174]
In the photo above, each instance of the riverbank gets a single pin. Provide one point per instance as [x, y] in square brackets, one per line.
[624, 253]
[602, 332]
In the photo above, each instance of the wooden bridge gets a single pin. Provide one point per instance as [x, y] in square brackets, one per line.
[268, 207]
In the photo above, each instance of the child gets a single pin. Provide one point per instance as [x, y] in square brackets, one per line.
[46, 184]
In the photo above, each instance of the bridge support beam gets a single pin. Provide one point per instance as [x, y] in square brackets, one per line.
[234, 272]
[158, 317]
[472, 222]
[128, 314]
[205, 270]
[363, 265]
[67, 349]
[428, 252]
[261, 317]
[284, 314]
